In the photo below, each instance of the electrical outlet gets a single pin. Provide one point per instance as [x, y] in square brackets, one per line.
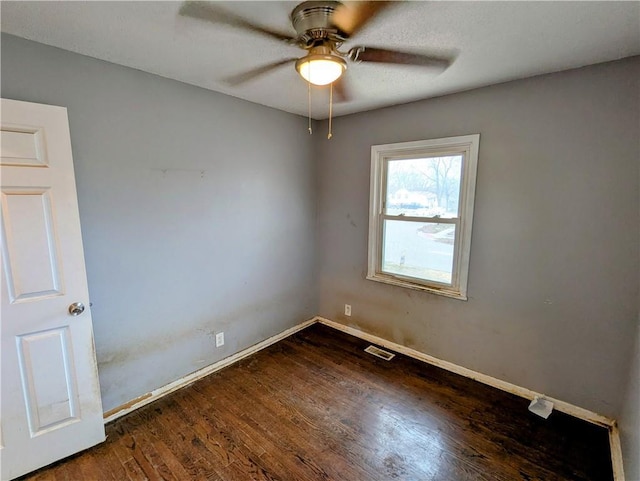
[347, 309]
[220, 339]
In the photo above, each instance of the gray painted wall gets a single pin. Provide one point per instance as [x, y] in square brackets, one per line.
[175, 255]
[553, 279]
[630, 418]
[629, 421]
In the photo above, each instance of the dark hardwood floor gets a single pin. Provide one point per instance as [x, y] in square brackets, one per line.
[315, 406]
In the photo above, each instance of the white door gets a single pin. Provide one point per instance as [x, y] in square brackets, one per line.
[50, 401]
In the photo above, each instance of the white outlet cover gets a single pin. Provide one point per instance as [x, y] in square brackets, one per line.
[347, 309]
[220, 339]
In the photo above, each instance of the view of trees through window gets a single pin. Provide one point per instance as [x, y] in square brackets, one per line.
[427, 190]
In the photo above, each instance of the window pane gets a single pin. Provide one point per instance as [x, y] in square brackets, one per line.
[424, 187]
[420, 250]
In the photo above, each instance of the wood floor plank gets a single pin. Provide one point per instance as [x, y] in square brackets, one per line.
[315, 406]
[311, 414]
[237, 454]
[174, 422]
[211, 411]
[259, 423]
[111, 467]
[390, 415]
[145, 449]
[193, 466]
[378, 406]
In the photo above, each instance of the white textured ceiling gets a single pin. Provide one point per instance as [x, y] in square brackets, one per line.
[495, 42]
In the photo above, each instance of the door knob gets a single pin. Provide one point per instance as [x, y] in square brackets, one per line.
[76, 308]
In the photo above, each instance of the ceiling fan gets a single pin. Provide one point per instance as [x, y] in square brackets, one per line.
[321, 28]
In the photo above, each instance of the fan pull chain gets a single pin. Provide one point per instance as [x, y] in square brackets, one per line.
[329, 135]
[310, 130]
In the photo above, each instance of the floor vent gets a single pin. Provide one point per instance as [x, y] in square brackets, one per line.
[376, 351]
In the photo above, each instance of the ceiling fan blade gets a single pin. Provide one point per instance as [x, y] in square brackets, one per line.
[351, 16]
[210, 13]
[341, 90]
[251, 74]
[382, 55]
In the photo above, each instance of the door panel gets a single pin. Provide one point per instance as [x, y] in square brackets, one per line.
[48, 379]
[30, 249]
[22, 146]
[50, 398]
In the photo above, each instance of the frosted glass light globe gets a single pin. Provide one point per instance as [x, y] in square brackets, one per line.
[320, 69]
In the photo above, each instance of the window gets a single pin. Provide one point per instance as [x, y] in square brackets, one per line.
[421, 209]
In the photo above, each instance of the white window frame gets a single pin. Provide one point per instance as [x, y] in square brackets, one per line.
[467, 145]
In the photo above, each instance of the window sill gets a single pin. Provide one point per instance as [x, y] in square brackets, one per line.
[417, 287]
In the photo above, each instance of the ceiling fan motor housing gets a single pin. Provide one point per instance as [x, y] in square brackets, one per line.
[312, 21]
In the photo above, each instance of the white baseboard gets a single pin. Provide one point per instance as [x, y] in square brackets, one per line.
[562, 406]
[616, 453]
[194, 376]
[567, 408]
[477, 376]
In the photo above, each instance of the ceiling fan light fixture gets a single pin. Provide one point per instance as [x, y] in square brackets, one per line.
[320, 69]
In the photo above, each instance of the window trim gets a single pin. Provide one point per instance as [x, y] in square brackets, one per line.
[468, 145]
